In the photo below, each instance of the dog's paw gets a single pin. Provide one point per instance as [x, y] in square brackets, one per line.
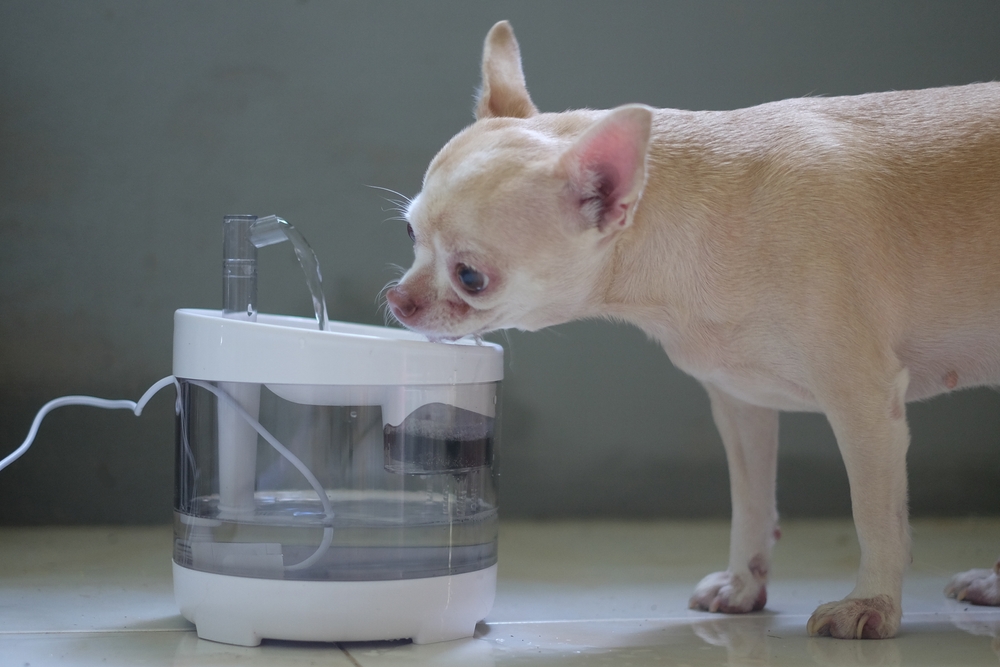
[976, 586]
[857, 618]
[729, 593]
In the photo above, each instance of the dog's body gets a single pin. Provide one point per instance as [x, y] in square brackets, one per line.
[838, 255]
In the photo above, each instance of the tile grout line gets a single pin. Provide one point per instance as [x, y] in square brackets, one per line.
[680, 619]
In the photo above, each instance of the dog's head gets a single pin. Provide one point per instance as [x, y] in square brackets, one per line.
[519, 212]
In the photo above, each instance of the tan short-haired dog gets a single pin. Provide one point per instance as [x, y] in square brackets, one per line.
[825, 254]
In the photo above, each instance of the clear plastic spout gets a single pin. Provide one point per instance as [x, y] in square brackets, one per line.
[268, 230]
[239, 268]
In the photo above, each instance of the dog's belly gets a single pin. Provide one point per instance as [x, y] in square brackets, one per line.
[929, 377]
[766, 379]
[939, 369]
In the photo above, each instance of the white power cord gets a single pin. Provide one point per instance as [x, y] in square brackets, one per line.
[92, 402]
[137, 406]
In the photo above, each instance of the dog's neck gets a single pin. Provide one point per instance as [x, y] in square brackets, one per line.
[665, 269]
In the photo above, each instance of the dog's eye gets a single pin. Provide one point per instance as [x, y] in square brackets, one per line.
[409, 230]
[472, 280]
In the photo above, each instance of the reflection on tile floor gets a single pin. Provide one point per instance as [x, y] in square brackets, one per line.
[569, 593]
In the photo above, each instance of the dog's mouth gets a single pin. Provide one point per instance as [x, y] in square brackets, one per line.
[446, 319]
[476, 336]
[450, 334]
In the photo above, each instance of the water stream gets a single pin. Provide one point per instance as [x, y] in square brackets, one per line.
[310, 267]
[270, 230]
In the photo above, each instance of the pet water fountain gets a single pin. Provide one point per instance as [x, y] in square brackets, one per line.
[334, 481]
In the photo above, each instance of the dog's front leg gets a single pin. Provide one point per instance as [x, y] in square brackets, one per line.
[868, 417]
[750, 435]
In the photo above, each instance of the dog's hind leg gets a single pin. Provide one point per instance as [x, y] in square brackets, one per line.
[976, 586]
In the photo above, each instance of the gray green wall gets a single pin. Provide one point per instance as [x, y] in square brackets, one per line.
[128, 129]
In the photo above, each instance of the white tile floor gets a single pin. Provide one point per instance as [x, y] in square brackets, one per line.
[575, 593]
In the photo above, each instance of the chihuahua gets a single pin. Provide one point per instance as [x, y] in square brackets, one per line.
[836, 254]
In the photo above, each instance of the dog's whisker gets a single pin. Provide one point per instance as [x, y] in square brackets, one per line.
[400, 270]
[397, 206]
[403, 199]
[381, 297]
[382, 303]
[400, 206]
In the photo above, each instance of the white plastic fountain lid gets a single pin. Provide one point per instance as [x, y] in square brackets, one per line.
[291, 350]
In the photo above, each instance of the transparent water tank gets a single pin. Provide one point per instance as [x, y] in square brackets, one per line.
[336, 485]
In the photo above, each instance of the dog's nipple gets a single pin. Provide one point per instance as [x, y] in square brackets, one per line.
[951, 379]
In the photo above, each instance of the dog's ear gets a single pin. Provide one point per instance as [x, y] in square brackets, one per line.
[606, 167]
[503, 92]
